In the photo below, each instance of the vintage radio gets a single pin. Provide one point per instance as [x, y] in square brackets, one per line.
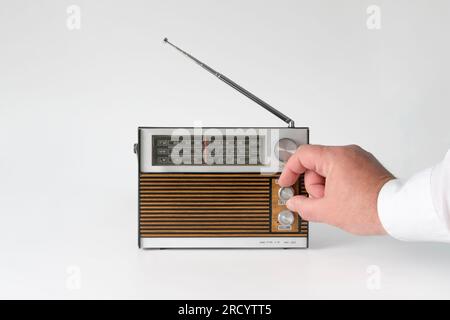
[217, 187]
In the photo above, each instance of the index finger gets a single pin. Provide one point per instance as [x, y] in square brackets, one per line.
[307, 157]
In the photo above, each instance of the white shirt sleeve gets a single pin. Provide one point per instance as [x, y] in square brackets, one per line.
[418, 209]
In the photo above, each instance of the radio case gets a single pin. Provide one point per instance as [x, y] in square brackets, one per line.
[216, 206]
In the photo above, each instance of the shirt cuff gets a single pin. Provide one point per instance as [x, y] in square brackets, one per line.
[406, 210]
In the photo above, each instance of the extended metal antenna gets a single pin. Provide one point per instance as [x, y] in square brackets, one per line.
[234, 85]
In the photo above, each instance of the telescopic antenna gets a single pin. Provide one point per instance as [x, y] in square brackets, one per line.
[237, 87]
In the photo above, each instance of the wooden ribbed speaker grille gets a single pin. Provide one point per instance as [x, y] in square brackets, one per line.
[205, 205]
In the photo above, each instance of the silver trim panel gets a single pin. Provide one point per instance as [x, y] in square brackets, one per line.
[250, 242]
[299, 135]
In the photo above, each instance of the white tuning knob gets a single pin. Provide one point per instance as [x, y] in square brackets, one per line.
[285, 148]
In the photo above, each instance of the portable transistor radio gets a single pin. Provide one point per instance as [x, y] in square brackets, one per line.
[217, 187]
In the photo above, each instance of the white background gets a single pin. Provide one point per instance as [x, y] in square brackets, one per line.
[71, 102]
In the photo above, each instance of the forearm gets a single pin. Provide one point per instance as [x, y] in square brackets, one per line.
[418, 209]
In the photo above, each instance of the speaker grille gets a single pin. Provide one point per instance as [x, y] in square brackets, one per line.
[205, 205]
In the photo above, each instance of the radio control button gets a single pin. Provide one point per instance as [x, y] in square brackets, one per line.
[285, 193]
[285, 148]
[286, 218]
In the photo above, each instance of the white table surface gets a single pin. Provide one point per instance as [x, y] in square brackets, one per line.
[336, 266]
[71, 102]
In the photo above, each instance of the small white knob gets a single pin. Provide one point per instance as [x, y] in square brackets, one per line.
[285, 193]
[286, 218]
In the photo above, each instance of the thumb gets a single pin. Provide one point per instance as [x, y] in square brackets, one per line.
[307, 208]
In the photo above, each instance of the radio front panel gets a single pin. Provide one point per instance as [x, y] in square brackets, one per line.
[218, 188]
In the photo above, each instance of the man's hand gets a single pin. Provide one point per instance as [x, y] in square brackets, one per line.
[343, 185]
